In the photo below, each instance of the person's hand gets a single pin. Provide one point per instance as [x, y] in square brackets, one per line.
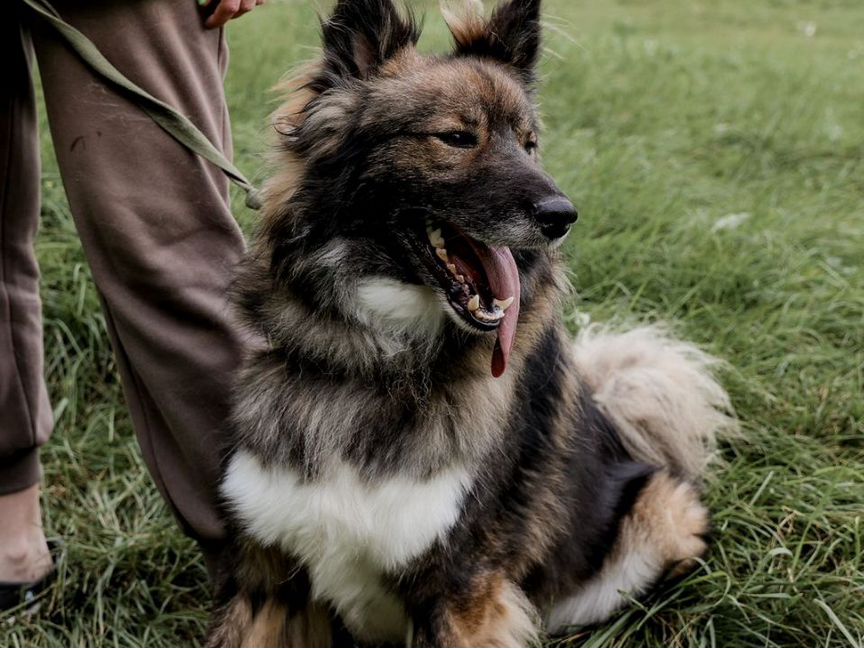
[227, 10]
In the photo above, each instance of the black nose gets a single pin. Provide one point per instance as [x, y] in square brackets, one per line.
[555, 216]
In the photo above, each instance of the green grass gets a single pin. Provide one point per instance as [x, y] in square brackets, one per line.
[663, 118]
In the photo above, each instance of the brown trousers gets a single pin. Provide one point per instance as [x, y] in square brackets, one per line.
[155, 225]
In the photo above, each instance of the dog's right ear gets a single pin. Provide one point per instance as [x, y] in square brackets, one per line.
[362, 35]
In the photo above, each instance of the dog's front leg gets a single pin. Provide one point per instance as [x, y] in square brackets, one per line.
[491, 612]
[264, 601]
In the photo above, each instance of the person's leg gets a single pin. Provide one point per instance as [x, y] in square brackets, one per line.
[25, 413]
[156, 228]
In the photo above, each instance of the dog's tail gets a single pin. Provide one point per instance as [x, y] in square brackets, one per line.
[659, 392]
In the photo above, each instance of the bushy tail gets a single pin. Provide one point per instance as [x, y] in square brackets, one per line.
[660, 392]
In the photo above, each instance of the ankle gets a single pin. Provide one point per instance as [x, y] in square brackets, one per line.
[24, 555]
[26, 563]
[19, 551]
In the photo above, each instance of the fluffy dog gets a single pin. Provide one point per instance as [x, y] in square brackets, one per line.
[419, 454]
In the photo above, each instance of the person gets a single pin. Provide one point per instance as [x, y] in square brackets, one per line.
[158, 234]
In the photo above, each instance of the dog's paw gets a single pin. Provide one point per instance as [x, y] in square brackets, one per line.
[689, 524]
[675, 522]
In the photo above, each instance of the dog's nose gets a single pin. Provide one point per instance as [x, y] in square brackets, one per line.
[555, 216]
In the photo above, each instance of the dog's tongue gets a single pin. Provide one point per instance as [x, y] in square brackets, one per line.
[503, 276]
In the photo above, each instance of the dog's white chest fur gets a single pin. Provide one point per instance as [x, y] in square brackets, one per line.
[347, 532]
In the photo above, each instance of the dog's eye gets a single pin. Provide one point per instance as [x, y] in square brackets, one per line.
[531, 146]
[459, 139]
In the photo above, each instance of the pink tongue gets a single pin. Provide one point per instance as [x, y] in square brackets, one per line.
[503, 277]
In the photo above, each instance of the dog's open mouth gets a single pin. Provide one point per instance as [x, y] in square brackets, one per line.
[481, 283]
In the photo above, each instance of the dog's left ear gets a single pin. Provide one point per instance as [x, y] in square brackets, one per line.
[361, 35]
[511, 35]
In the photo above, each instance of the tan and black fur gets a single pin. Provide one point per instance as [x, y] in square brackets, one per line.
[550, 490]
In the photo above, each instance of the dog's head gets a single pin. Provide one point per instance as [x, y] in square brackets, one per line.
[420, 175]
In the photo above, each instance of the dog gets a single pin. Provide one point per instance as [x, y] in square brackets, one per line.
[419, 454]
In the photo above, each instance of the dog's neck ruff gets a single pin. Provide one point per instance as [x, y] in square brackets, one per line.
[347, 532]
[406, 310]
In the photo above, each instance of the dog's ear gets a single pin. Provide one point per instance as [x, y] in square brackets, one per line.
[361, 35]
[511, 35]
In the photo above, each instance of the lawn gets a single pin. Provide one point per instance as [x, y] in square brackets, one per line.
[716, 152]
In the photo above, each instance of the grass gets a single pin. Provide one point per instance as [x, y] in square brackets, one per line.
[716, 150]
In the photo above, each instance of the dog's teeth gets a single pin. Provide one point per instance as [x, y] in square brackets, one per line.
[435, 238]
[442, 254]
[490, 318]
[452, 268]
[460, 278]
[503, 304]
[474, 303]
